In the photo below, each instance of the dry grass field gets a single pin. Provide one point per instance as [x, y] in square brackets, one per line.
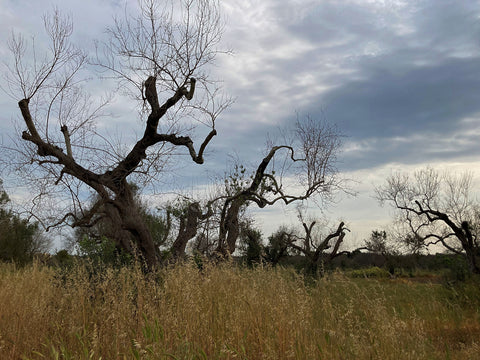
[226, 312]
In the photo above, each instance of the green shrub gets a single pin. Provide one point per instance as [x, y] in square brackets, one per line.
[372, 272]
[103, 251]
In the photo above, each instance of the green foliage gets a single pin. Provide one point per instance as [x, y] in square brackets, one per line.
[20, 240]
[17, 238]
[277, 247]
[4, 199]
[252, 238]
[377, 243]
[372, 272]
[62, 259]
[178, 207]
[457, 266]
[102, 251]
[237, 181]
[158, 227]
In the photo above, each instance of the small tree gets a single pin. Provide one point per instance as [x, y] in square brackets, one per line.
[379, 243]
[278, 245]
[436, 210]
[102, 251]
[20, 240]
[253, 249]
[319, 251]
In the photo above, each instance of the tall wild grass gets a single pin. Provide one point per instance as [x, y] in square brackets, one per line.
[226, 312]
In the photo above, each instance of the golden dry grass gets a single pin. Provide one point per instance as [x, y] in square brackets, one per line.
[225, 312]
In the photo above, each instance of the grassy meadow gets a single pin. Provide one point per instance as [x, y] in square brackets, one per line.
[229, 312]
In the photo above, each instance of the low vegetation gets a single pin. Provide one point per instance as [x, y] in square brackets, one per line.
[231, 312]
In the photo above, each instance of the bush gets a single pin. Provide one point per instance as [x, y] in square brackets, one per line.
[20, 240]
[372, 272]
[457, 266]
[103, 251]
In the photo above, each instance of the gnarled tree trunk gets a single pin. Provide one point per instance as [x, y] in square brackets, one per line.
[187, 231]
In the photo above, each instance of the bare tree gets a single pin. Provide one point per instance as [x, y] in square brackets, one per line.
[319, 250]
[198, 219]
[307, 169]
[160, 58]
[301, 169]
[190, 219]
[436, 210]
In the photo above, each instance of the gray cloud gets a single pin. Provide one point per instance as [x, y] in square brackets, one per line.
[391, 101]
[409, 71]
[380, 70]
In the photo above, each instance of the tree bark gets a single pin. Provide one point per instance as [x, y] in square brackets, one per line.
[187, 231]
[125, 215]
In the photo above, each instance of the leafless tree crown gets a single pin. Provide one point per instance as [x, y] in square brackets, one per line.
[436, 209]
[159, 57]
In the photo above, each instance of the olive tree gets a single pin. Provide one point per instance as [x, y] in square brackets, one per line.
[319, 250]
[436, 209]
[159, 57]
[299, 168]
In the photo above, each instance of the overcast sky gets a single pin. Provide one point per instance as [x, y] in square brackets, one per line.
[401, 79]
